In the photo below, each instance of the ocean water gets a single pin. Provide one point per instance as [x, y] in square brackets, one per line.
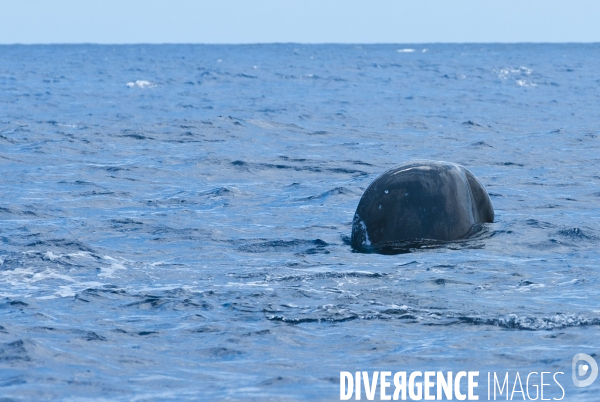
[175, 220]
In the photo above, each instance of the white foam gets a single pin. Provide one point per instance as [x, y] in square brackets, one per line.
[115, 265]
[524, 83]
[28, 275]
[519, 74]
[406, 50]
[504, 73]
[51, 256]
[528, 288]
[51, 282]
[526, 70]
[140, 84]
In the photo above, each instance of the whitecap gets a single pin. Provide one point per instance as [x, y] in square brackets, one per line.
[115, 265]
[406, 50]
[524, 83]
[504, 73]
[51, 256]
[140, 84]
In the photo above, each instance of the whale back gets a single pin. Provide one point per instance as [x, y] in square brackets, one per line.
[420, 201]
[481, 200]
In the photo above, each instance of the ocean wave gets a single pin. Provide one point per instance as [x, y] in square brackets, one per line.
[294, 246]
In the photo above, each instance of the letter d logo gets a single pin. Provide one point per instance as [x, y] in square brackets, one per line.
[582, 369]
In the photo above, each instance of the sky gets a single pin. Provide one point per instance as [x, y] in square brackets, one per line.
[301, 21]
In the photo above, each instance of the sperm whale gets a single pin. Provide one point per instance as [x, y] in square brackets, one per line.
[420, 202]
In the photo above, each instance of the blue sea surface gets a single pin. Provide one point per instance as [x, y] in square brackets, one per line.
[175, 219]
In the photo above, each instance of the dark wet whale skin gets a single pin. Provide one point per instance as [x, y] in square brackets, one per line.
[420, 201]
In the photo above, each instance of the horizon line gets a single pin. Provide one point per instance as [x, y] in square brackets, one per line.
[291, 43]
